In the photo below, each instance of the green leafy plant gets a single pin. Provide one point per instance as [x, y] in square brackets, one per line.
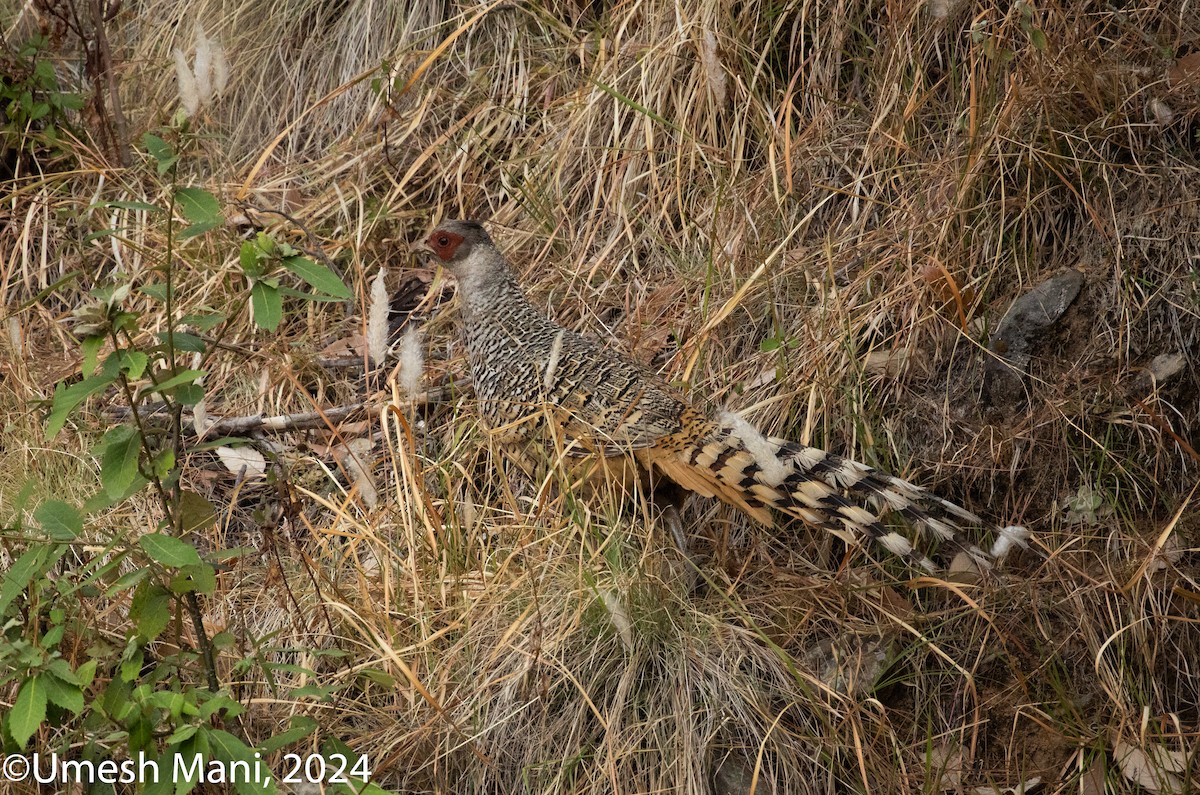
[34, 105]
[163, 689]
[264, 259]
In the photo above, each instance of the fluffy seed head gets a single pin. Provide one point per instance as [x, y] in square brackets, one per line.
[377, 319]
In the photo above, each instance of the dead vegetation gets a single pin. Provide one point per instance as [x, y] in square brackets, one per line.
[812, 213]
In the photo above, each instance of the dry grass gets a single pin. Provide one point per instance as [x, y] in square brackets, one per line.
[867, 185]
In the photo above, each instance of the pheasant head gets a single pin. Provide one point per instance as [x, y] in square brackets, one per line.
[466, 250]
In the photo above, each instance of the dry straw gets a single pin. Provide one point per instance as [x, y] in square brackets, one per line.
[759, 200]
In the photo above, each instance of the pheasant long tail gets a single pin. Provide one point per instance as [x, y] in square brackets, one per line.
[732, 461]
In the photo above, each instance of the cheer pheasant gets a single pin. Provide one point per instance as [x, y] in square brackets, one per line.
[530, 372]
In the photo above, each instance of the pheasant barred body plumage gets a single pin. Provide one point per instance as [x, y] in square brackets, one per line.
[529, 372]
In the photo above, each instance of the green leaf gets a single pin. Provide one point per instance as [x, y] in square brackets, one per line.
[291, 292]
[189, 394]
[266, 245]
[91, 352]
[28, 711]
[1038, 38]
[319, 277]
[199, 206]
[248, 257]
[70, 101]
[125, 321]
[169, 551]
[205, 322]
[197, 229]
[134, 363]
[219, 702]
[378, 677]
[119, 464]
[233, 553]
[227, 748]
[617, 95]
[311, 691]
[98, 234]
[53, 637]
[86, 673]
[18, 577]
[371, 788]
[182, 733]
[66, 399]
[187, 343]
[266, 306]
[60, 520]
[65, 694]
[198, 579]
[115, 702]
[131, 665]
[213, 444]
[182, 377]
[169, 700]
[162, 463]
[141, 734]
[150, 612]
[165, 785]
[302, 726]
[159, 149]
[101, 500]
[156, 290]
[60, 669]
[195, 512]
[165, 165]
[126, 580]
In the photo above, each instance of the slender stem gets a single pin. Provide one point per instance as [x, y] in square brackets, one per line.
[174, 514]
[168, 274]
[206, 647]
[141, 432]
[215, 342]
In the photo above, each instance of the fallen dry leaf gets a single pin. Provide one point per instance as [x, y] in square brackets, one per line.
[1185, 71]
[1153, 769]
[1092, 781]
[1166, 365]
[355, 456]
[1020, 789]
[243, 461]
[947, 764]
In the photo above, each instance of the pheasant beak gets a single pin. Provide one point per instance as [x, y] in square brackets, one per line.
[425, 253]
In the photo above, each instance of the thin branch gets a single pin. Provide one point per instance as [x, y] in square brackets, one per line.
[307, 420]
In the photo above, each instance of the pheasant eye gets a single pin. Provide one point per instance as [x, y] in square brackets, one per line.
[443, 241]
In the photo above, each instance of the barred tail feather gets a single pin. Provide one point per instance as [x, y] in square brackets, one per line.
[735, 463]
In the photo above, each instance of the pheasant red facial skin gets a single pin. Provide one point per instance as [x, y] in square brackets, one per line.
[444, 244]
[529, 371]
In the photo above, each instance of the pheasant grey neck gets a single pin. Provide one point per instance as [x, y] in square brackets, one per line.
[486, 283]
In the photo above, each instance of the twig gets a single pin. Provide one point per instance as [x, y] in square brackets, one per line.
[321, 418]
[287, 422]
[104, 66]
